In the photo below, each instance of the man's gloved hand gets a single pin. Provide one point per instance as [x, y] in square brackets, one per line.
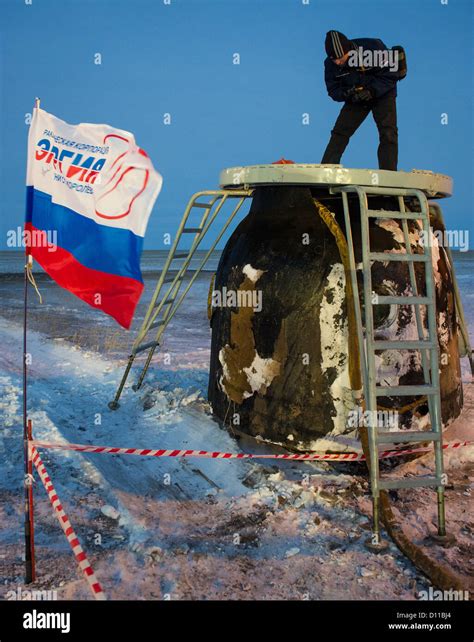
[350, 93]
[361, 95]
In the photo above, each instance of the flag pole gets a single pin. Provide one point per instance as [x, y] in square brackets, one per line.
[30, 572]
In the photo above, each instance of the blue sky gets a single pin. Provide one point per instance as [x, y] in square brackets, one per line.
[159, 58]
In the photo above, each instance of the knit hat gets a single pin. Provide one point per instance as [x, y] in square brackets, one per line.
[337, 44]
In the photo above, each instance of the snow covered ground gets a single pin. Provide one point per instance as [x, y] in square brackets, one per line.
[195, 528]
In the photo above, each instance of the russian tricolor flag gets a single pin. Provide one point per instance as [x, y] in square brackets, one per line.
[91, 190]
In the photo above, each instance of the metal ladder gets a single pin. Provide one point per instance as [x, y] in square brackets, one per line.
[427, 345]
[165, 301]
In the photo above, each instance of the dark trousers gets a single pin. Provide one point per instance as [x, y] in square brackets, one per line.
[352, 115]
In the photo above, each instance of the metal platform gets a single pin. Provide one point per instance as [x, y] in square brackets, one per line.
[433, 185]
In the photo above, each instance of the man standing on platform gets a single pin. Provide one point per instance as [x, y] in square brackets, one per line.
[363, 74]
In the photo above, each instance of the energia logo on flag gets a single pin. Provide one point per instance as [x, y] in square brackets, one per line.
[95, 188]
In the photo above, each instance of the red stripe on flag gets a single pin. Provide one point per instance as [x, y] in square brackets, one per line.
[119, 295]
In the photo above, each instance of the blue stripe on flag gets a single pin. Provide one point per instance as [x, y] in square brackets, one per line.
[98, 247]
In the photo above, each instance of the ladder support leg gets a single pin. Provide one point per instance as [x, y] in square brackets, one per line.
[137, 385]
[441, 513]
[374, 483]
[435, 404]
[375, 543]
[370, 398]
[113, 405]
[376, 519]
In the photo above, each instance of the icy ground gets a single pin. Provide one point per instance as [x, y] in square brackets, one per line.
[196, 529]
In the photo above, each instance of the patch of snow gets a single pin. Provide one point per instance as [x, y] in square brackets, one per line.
[225, 368]
[395, 228]
[110, 512]
[292, 551]
[252, 273]
[340, 443]
[260, 374]
[334, 345]
[443, 329]
[435, 255]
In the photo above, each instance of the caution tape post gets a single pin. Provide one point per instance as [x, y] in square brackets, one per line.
[79, 553]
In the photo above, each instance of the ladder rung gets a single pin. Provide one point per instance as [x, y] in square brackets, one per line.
[410, 216]
[170, 279]
[403, 345]
[402, 300]
[145, 346]
[206, 206]
[418, 482]
[157, 324]
[406, 391]
[410, 435]
[181, 255]
[393, 256]
[192, 230]
[167, 302]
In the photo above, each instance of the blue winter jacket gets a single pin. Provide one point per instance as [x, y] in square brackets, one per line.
[380, 81]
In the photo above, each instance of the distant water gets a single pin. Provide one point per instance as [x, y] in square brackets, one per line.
[12, 262]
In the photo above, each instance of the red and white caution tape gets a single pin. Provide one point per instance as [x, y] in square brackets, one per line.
[79, 554]
[349, 456]
[71, 536]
